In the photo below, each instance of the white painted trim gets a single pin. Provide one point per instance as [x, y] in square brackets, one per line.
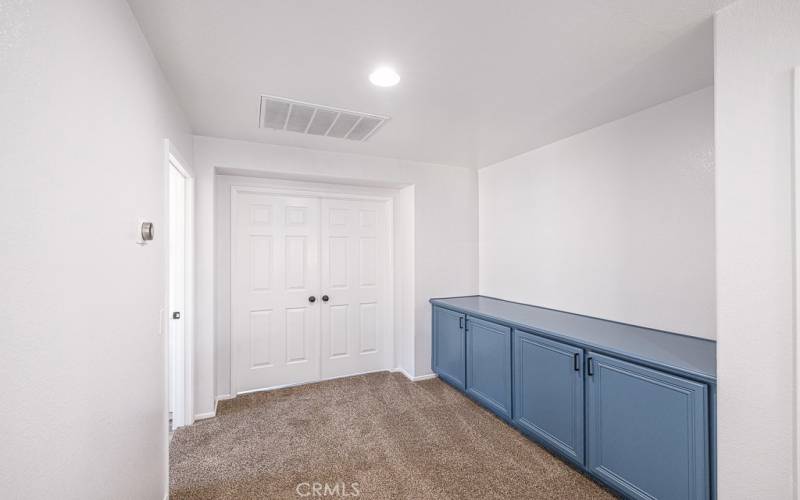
[796, 277]
[209, 414]
[234, 216]
[315, 192]
[418, 378]
[184, 166]
[320, 190]
[185, 392]
[212, 414]
[189, 306]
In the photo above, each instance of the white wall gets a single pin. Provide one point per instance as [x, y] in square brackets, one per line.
[444, 230]
[404, 318]
[757, 45]
[85, 111]
[616, 222]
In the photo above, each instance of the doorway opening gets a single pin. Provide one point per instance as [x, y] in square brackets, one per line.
[180, 205]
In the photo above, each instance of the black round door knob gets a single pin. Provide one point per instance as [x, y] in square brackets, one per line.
[325, 298]
[312, 299]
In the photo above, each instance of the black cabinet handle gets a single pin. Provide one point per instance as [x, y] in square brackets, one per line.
[577, 362]
[312, 299]
[589, 367]
[325, 298]
[461, 322]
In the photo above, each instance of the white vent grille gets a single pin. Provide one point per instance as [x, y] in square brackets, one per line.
[280, 113]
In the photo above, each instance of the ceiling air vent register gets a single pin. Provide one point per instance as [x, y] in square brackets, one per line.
[280, 113]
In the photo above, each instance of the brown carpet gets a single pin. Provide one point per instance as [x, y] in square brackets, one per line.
[395, 438]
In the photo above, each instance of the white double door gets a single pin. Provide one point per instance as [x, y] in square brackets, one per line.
[309, 289]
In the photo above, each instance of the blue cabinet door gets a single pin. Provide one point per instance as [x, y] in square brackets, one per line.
[647, 431]
[548, 393]
[449, 345]
[489, 365]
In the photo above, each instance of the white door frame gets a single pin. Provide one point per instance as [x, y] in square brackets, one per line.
[184, 382]
[796, 315]
[335, 192]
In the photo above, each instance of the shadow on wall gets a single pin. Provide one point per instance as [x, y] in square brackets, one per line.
[690, 63]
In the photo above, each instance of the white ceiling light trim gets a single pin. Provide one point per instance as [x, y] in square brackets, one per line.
[384, 76]
[280, 113]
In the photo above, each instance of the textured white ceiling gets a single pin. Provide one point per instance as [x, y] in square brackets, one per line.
[482, 80]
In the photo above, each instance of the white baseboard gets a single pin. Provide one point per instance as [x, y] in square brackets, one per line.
[417, 378]
[210, 414]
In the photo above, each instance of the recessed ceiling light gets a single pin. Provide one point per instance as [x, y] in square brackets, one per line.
[384, 77]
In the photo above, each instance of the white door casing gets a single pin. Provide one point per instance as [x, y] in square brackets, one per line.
[179, 285]
[177, 292]
[275, 269]
[287, 247]
[796, 316]
[354, 261]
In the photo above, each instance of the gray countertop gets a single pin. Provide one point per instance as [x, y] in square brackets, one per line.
[681, 354]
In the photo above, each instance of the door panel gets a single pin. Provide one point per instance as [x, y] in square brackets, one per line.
[368, 327]
[647, 430]
[489, 364]
[177, 296]
[338, 330]
[296, 336]
[449, 346]
[355, 259]
[548, 392]
[275, 268]
[260, 335]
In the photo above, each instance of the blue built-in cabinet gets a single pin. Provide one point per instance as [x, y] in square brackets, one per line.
[449, 346]
[548, 392]
[647, 430]
[632, 407]
[488, 372]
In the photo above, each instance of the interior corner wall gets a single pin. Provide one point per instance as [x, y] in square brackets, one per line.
[616, 222]
[445, 257]
[757, 45]
[404, 318]
[85, 111]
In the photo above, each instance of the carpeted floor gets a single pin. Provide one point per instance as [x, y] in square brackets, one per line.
[394, 438]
